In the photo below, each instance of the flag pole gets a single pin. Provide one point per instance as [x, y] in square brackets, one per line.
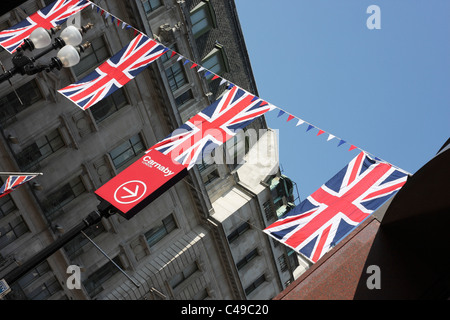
[21, 174]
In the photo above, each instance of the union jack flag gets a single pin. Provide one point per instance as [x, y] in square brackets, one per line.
[52, 15]
[212, 127]
[14, 182]
[114, 72]
[326, 216]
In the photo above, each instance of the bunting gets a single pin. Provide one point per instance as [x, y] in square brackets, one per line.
[319, 131]
[14, 181]
[85, 94]
[212, 127]
[115, 72]
[336, 208]
[330, 136]
[114, 19]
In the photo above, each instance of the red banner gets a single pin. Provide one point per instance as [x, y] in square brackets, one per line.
[141, 183]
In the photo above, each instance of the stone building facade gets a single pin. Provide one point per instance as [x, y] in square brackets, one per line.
[203, 238]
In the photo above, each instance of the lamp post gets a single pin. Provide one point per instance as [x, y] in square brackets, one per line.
[69, 43]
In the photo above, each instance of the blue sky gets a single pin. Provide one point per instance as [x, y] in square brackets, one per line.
[385, 91]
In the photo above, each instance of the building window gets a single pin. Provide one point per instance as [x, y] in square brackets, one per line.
[249, 257]
[238, 232]
[268, 210]
[176, 76]
[74, 247]
[168, 55]
[283, 263]
[202, 167]
[255, 285]
[40, 149]
[156, 234]
[152, 5]
[216, 61]
[64, 195]
[292, 257]
[203, 18]
[10, 105]
[210, 177]
[236, 148]
[45, 290]
[209, 174]
[7, 205]
[92, 57]
[32, 285]
[12, 231]
[183, 98]
[183, 275]
[109, 105]
[94, 283]
[127, 151]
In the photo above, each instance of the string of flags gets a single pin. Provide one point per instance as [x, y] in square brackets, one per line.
[320, 131]
[371, 181]
[127, 63]
[114, 19]
[208, 74]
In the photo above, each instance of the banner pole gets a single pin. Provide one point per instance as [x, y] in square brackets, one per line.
[21, 174]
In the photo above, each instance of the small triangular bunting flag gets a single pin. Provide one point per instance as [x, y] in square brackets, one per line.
[290, 117]
[309, 127]
[320, 132]
[341, 143]
[280, 113]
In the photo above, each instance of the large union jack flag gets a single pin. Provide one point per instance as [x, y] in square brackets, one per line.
[14, 182]
[326, 216]
[52, 15]
[213, 126]
[114, 72]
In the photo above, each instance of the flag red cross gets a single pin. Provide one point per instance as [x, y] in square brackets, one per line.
[115, 73]
[332, 205]
[38, 20]
[213, 129]
[46, 23]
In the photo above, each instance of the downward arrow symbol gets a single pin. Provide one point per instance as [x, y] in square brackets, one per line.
[131, 193]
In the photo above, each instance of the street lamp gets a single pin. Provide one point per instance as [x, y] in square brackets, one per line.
[69, 42]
